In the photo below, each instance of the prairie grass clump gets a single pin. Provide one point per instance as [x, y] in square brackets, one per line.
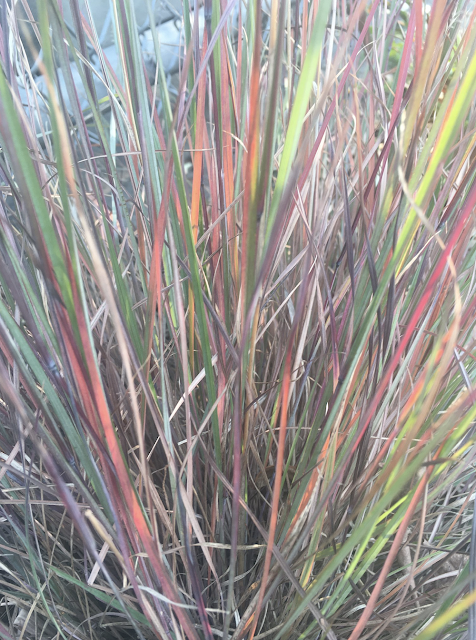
[237, 323]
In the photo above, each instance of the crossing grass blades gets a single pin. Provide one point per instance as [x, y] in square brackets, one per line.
[237, 333]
